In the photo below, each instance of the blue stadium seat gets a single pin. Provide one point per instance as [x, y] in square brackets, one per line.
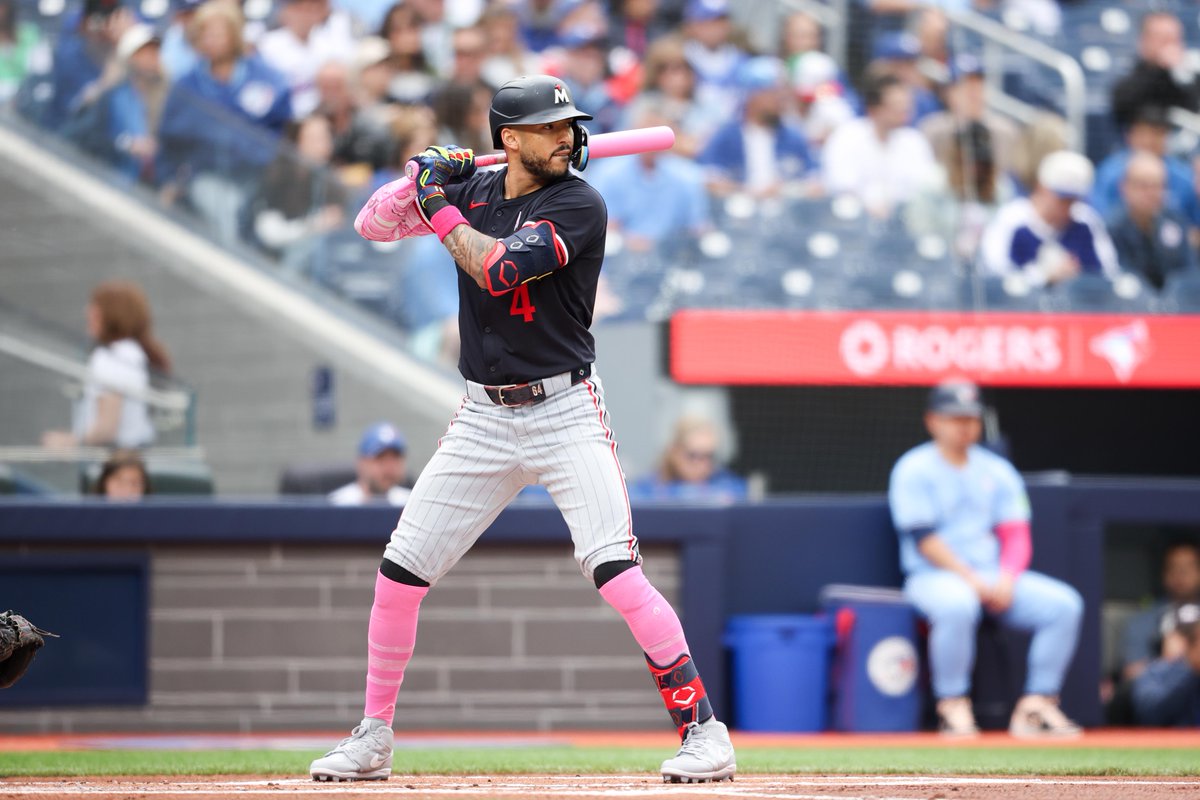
[1181, 294]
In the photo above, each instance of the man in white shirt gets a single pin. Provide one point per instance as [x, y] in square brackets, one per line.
[381, 468]
[309, 36]
[879, 158]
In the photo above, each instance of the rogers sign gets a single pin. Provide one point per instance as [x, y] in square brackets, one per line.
[832, 348]
[867, 348]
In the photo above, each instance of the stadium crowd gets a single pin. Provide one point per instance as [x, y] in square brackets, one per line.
[274, 121]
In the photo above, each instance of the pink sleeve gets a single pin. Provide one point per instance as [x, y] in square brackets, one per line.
[1016, 547]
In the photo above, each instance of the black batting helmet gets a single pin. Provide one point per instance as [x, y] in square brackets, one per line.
[529, 100]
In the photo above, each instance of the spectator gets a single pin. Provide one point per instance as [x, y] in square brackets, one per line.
[178, 54]
[761, 152]
[879, 158]
[635, 25]
[1148, 132]
[1151, 240]
[669, 88]
[19, 45]
[300, 200]
[541, 20]
[424, 300]
[653, 197]
[1143, 638]
[1052, 235]
[959, 208]
[221, 122]
[823, 102]
[963, 519]
[1045, 134]
[462, 110]
[1168, 691]
[1162, 76]
[823, 92]
[715, 49]
[469, 54]
[118, 115]
[413, 77]
[507, 55]
[82, 51]
[689, 469]
[309, 35]
[380, 467]
[966, 104]
[898, 54]
[123, 477]
[437, 34]
[585, 71]
[111, 412]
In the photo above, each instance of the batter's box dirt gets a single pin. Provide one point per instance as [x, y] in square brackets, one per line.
[603, 787]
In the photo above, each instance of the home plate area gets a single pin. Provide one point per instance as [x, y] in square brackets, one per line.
[540, 787]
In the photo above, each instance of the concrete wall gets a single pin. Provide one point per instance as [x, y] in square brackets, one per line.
[263, 637]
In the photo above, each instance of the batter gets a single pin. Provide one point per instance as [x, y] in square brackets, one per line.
[529, 242]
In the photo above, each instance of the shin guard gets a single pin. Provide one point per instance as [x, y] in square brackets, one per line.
[682, 691]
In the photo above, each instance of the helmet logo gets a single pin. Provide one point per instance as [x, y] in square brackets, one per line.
[560, 94]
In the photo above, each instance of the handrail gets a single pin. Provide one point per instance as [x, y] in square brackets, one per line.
[176, 400]
[34, 454]
[1074, 84]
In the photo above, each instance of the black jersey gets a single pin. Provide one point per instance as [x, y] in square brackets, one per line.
[541, 327]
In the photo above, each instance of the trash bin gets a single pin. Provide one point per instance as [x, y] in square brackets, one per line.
[780, 670]
[875, 667]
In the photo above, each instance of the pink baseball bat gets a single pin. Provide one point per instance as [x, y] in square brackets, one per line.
[607, 145]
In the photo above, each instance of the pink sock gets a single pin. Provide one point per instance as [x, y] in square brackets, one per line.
[390, 639]
[649, 616]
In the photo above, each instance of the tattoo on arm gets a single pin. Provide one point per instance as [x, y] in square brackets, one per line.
[469, 248]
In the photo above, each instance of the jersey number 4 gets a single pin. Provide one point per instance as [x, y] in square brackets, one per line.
[522, 306]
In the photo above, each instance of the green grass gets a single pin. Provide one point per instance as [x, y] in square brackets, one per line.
[585, 760]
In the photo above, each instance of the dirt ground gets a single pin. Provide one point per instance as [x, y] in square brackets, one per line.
[604, 787]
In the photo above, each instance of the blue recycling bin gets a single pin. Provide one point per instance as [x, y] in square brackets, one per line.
[780, 667]
[876, 665]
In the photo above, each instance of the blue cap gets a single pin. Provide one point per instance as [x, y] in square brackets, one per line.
[955, 398]
[760, 73]
[705, 9]
[380, 437]
[965, 65]
[897, 46]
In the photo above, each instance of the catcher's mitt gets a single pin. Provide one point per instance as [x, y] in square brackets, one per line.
[20, 640]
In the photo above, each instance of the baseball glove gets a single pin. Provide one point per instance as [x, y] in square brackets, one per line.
[20, 640]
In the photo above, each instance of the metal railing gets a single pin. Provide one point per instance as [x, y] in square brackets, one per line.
[997, 38]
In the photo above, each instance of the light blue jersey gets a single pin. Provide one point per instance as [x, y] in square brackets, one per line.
[961, 505]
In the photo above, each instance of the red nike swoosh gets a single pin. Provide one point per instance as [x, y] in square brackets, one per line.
[476, 205]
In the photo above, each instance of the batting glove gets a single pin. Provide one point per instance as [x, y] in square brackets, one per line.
[433, 168]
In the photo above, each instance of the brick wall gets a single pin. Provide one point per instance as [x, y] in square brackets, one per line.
[273, 637]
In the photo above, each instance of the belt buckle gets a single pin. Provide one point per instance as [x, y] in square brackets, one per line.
[500, 395]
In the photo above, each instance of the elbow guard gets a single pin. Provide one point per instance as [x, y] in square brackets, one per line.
[533, 252]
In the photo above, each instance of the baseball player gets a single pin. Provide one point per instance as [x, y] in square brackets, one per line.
[963, 518]
[529, 241]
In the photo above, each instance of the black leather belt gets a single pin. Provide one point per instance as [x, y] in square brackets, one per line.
[529, 394]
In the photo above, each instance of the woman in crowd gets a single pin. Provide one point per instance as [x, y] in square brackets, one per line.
[112, 411]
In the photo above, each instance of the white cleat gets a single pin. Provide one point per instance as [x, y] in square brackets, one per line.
[705, 755]
[364, 755]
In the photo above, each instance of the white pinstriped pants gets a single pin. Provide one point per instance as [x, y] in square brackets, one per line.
[489, 453]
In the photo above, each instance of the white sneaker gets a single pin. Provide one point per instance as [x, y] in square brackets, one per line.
[1039, 717]
[705, 755]
[955, 718]
[364, 755]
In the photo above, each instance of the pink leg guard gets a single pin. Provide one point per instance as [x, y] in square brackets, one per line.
[649, 616]
[657, 630]
[390, 639]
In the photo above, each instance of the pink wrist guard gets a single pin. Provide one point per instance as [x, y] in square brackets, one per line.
[446, 220]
